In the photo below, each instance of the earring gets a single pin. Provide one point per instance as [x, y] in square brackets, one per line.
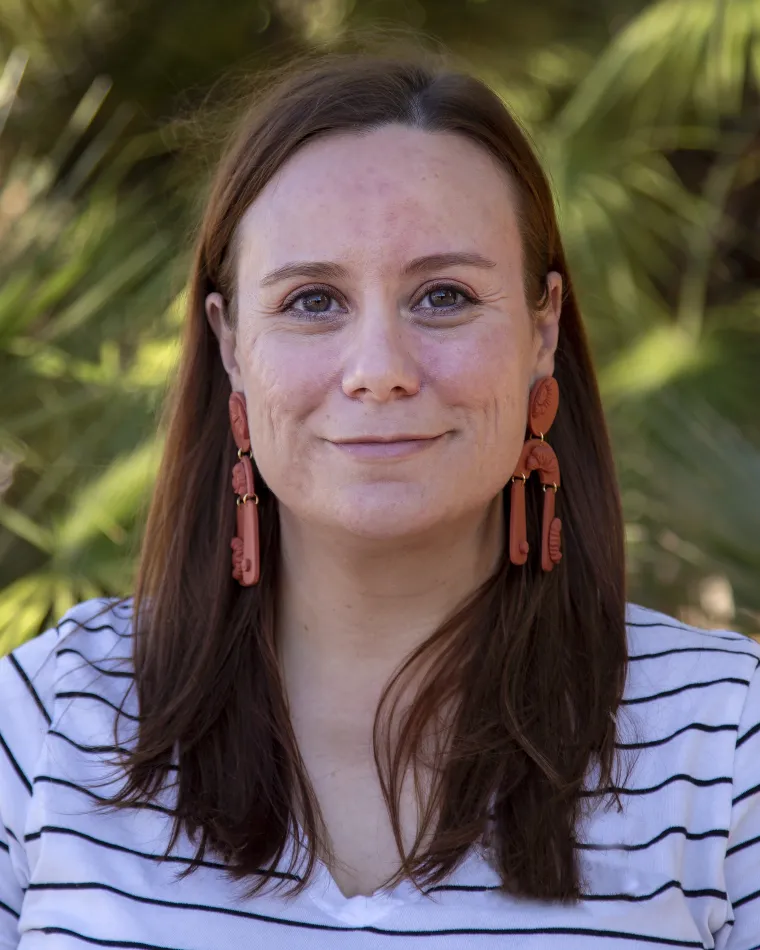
[537, 456]
[245, 544]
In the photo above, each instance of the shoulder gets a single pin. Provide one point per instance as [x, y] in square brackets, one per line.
[93, 630]
[96, 634]
[38, 680]
[647, 627]
[653, 635]
[680, 674]
[90, 641]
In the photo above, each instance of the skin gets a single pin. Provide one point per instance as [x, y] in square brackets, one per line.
[376, 552]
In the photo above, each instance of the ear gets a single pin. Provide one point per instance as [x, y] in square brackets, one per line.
[226, 336]
[546, 330]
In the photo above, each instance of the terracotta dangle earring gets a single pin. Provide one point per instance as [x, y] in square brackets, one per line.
[537, 456]
[245, 544]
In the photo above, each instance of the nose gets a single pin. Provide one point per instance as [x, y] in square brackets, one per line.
[380, 364]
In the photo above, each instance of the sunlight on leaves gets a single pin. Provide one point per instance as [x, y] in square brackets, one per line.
[658, 358]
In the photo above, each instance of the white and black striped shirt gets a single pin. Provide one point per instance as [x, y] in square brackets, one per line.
[679, 867]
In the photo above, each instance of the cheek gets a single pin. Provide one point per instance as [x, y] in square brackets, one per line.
[283, 384]
[487, 375]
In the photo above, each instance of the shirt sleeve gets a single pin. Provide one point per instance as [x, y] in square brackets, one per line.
[26, 692]
[10, 894]
[742, 864]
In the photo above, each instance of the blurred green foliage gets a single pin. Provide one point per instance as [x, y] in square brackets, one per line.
[646, 116]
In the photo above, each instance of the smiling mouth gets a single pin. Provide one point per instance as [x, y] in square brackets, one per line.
[387, 448]
[372, 439]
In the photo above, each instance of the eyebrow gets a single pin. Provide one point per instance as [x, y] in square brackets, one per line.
[328, 270]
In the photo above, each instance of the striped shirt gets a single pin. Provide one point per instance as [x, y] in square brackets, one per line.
[678, 867]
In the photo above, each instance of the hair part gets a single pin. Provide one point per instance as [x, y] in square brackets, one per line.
[529, 672]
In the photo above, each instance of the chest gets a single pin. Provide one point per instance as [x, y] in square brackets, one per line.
[95, 874]
[357, 821]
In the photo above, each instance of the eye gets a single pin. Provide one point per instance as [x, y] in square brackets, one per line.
[445, 297]
[314, 301]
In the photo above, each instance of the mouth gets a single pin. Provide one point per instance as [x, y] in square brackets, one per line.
[385, 447]
[370, 439]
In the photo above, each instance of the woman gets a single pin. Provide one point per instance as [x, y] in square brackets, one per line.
[408, 698]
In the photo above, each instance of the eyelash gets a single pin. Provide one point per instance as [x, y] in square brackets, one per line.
[319, 288]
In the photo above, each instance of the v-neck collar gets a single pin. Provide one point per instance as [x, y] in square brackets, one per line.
[366, 910]
[361, 910]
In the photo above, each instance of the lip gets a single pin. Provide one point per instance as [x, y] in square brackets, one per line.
[383, 448]
[397, 437]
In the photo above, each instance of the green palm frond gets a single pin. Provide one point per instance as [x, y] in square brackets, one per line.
[106, 503]
[643, 248]
[677, 60]
[88, 339]
[91, 307]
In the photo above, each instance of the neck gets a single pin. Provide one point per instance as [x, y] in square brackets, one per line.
[354, 607]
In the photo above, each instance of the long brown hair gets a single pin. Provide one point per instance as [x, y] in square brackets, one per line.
[536, 661]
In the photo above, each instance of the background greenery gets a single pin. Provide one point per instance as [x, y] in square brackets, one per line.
[646, 115]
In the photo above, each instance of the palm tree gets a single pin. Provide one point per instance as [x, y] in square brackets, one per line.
[654, 156]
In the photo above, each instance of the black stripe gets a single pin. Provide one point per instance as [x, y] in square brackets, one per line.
[73, 694]
[551, 931]
[675, 830]
[753, 731]
[16, 767]
[148, 806]
[98, 941]
[172, 859]
[669, 885]
[745, 900]
[100, 749]
[215, 865]
[181, 905]
[152, 806]
[83, 626]
[750, 791]
[10, 910]
[10, 834]
[680, 689]
[655, 788]
[233, 912]
[91, 749]
[28, 683]
[679, 626]
[122, 673]
[5, 847]
[650, 656]
[81, 694]
[475, 888]
[742, 845]
[701, 726]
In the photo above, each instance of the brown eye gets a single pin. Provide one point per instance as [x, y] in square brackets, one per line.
[315, 304]
[444, 297]
[317, 301]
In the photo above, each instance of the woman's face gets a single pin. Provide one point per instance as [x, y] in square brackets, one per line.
[383, 343]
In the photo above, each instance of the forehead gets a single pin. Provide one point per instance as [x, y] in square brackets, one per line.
[394, 191]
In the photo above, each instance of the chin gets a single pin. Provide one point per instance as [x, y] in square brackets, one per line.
[396, 511]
